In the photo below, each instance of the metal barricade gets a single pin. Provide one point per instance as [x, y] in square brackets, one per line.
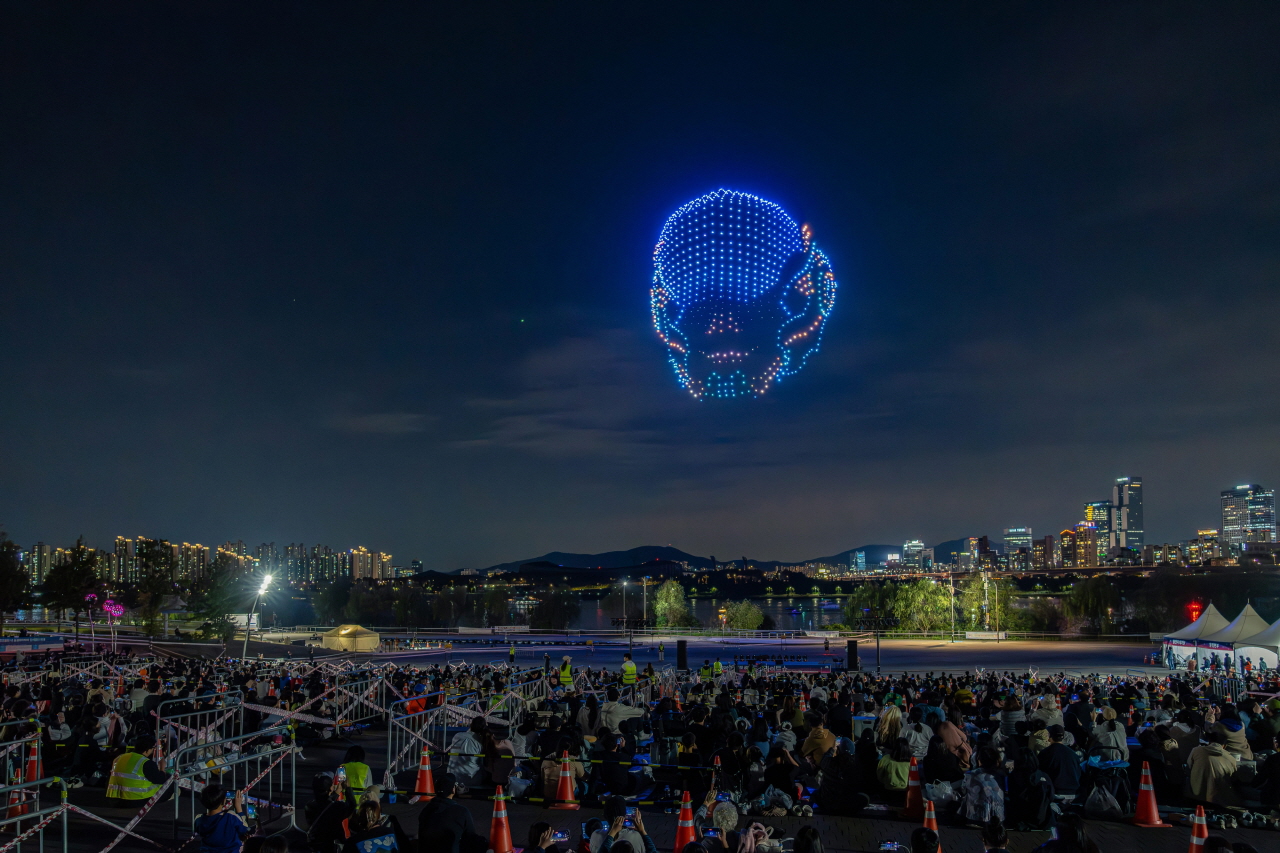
[263, 764]
[355, 701]
[38, 815]
[199, 719]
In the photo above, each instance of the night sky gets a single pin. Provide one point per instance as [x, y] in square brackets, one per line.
[365, 277]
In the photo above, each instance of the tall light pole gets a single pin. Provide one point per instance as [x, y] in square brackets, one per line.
[625, 621]
[248, 622]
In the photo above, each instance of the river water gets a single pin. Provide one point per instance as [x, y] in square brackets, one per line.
[788, 614]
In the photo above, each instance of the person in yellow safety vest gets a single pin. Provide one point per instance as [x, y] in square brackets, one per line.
[705, 672]
[628, 669]
[717, 668]
[566, 673]
[662, 651]
[135, 776]
[512, 653]
[359, 776]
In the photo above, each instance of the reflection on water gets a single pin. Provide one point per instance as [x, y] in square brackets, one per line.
[788, 614]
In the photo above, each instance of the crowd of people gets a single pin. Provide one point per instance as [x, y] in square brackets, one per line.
[992, 750]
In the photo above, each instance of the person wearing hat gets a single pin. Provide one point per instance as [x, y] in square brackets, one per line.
[566, 673]
[135, 776]
[443, 823]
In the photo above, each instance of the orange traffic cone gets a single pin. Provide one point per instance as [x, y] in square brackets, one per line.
[33, 763]
[425, 786]
[16, 807]
[499, 829]
[564, 791]
[1148, 814]
[931, 821]
[914, 809]
[685, 832]
[1199, 831]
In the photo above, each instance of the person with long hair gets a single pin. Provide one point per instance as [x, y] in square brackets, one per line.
[371, 830]
[889, 728]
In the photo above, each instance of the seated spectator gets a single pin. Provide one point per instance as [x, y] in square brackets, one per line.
[615, 816]
[1108, 740]
[820, 740]
[1060, 763]
[222, 828]
[611, 774]
[542, 839]
[466, 759]
[940, 764]
[1211, 771]
[551, 766]
[370, 831]
[894, 768]
[613, 712]
[444, 824]
[994, 837]
[983, 793]
[953, 734]
[924, 840]
[1232, 729]
[917, 733]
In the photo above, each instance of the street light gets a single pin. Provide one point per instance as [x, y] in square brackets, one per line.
[248, 622]
[625, 620]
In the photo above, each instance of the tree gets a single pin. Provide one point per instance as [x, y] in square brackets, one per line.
[556, 609]
[870, 599]
[1095, 601]
[15, 586]
[671, 609]
[743, 616]
[497, 609]
[66, 585]
[214, 598]
[922, 605]
[331, 601]
[985, 603]
[448, 607]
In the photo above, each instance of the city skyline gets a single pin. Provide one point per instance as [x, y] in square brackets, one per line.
[391, 284]
[1106, 530]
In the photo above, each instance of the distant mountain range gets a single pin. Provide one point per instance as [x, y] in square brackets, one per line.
[648, 553]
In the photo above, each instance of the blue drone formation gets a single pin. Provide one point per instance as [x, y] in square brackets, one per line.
[740, 294]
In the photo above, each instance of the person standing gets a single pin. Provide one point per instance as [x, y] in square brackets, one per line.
[662, 651]
[511, 654]
[546, 662]
[628, 670]
[566, 673]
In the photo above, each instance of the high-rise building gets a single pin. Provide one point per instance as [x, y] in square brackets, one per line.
[1067, 549]
[913, 554]
[1248, 515]
[1126, 518]
[126, 561]
[1099, 513]
[192, 562]
[1015, 538]
[858, 562]
[1204, 548]
[327, 565]
[1086, 542]
[361, 563]
[39, 562]
[1043, 554]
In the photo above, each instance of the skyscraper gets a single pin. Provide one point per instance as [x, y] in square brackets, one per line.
[1248, 515]
[1099, 513]
[912, 554]
[1015, 538]
[39, 561]
[1086, 545]
[1126, 522]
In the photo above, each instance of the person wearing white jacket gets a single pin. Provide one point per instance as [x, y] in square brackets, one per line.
[613, 712]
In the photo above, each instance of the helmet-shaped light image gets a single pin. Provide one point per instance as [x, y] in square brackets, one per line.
[740, 294]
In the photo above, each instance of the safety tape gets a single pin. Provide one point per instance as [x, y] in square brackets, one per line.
[33, 830]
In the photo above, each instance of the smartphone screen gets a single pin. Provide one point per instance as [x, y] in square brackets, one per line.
[631, 810]
[711, 832]
[560, 835]
[252, 811]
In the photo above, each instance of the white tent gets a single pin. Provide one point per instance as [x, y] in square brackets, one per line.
[350, 638]
[1184, 644]
[1246, 624]
[1263, 646]
[1210, 621]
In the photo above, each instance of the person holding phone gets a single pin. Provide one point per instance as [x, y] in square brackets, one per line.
[614, 842]
[544, 839]
[223, 827]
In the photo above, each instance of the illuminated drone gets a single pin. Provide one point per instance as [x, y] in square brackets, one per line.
[740, 294]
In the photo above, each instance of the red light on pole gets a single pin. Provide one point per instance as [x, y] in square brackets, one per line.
[1194, 609]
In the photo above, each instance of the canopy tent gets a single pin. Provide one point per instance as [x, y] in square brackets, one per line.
[1267, 644]
[1210, 622]
[1246, 624]
[350, 638]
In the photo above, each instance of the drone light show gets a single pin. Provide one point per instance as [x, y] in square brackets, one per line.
[740, 294]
